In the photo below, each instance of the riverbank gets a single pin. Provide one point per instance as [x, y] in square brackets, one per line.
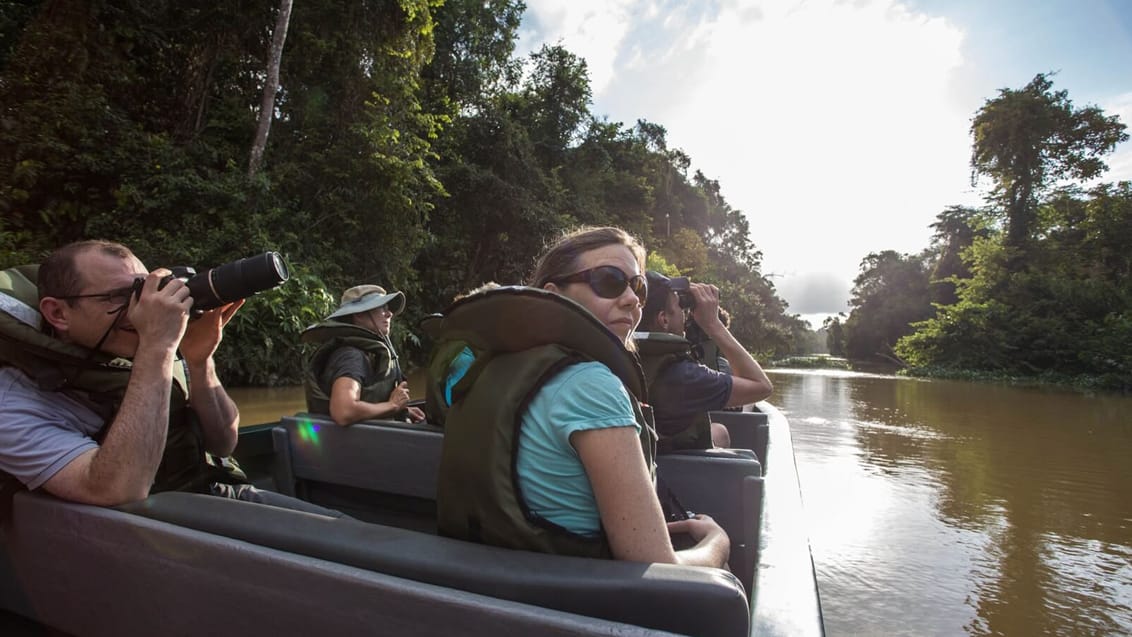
[1084, 383]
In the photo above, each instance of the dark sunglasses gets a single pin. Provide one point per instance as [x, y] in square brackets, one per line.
[609, 282]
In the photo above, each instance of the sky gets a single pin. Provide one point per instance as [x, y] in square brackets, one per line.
[839, 128]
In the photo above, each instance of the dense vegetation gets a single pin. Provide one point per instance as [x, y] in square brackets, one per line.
[408, 147]
[1037, 283]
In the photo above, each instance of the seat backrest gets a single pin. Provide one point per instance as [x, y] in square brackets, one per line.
[383, 456]
[748, 430]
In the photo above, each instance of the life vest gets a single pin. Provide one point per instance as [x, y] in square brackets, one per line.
[706, 352]
[658, 351]
[99, 381]
[443, 353]
[524, 337]
[332, 335]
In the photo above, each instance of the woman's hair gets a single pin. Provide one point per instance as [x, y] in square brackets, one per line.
[490, 285]
[561, 257]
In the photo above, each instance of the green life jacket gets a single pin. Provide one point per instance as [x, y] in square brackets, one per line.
[524, 337]
[707, 353]
[658, 351]
[332, 335]
[99, 381]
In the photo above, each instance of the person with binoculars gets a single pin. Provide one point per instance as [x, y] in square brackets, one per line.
[99, 408]
[684, 389]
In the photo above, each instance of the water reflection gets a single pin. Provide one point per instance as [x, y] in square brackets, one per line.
[267, 404]
[950, 507]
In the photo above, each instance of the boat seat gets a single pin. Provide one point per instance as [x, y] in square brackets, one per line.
[727, 486]
[315, 457]
[748, 430]
[260, 570]
[384, 456]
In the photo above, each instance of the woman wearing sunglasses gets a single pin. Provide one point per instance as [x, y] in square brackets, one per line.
[580, 462]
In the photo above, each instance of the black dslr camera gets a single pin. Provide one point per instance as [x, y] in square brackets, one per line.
[681, 286]
[229, 282]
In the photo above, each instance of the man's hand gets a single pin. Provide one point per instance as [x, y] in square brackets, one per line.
[400, 395]
[416, 415]
[749, 383]
[159, 316]
[203, 335]
[706, 311]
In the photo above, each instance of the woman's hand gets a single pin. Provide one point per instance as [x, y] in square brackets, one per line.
[712, 548]
[699, 527]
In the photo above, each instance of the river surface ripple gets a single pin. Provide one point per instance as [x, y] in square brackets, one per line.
[959, 508]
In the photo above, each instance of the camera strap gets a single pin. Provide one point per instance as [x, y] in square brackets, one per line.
[120, 312]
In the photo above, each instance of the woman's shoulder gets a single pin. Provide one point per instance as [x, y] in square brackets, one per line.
[587, 372]
[589, 381]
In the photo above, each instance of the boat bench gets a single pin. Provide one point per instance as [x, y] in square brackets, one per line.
[331, 465]
[748, 430]
[185, 564]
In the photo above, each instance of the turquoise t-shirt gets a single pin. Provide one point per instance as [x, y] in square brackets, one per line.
[551, 476]
[456, 370]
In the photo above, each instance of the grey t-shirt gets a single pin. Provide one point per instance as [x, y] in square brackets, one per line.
[40, 431]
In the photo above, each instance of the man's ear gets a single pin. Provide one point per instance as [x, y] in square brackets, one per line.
[56, 312]
[550, 287]
[661, 320]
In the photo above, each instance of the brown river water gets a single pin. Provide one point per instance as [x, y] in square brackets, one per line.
[947, 507]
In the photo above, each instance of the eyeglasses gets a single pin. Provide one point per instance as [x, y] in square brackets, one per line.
[609, 282]
[119, 297]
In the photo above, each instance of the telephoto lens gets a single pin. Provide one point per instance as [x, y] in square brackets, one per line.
[237, 280]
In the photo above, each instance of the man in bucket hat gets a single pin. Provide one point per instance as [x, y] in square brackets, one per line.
[354, 375]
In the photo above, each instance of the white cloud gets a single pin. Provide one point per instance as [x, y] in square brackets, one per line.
[1120, 162]
[829, 123]
[591, 29]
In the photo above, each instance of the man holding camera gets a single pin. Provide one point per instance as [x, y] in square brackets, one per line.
[98, 408]
[685, 389]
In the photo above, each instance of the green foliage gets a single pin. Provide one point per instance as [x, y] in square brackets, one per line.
[1026, 139]
[262, 340]
[1034, 286]
[409, 148]
[657, 263]
[889, 295]
[810, 362]
[834, 335]
[1065, 315]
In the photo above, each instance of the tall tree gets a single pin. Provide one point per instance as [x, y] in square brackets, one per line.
[889, 295]
[834, 335]
[1026, 140]
[955, 230]
[555, 102]
[270, 87]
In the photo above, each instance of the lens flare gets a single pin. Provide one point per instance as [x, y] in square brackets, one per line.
[308, 432]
